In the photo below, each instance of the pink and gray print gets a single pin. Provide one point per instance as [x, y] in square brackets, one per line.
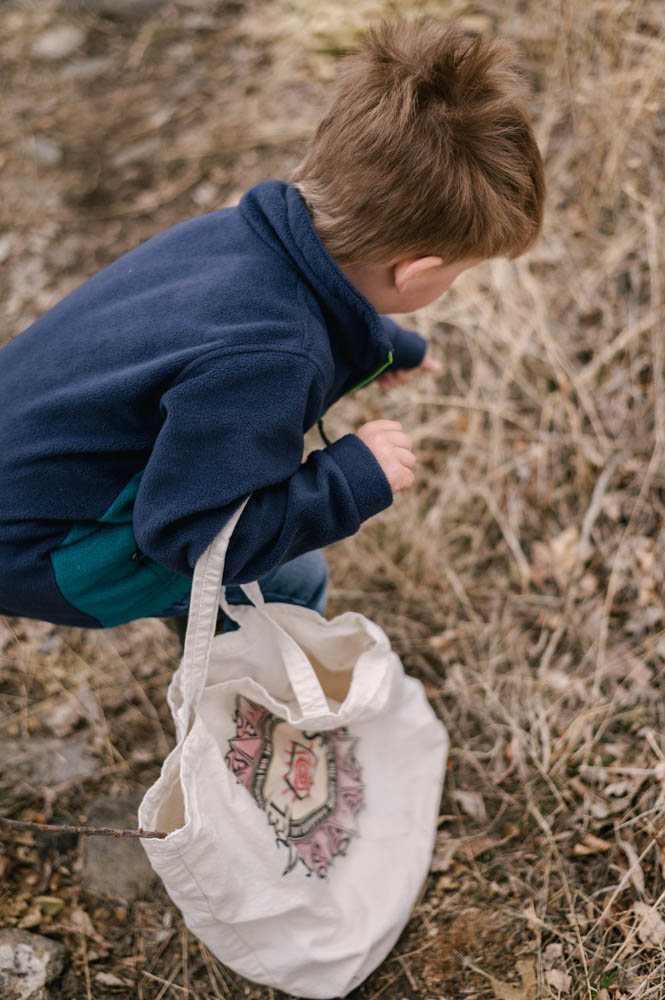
[308, 784]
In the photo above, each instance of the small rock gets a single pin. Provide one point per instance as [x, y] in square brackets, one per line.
[114, 865]
[59, 42]
[28, 962]
[46, 761]
[205, 193]
[87, 69]
[43, 150]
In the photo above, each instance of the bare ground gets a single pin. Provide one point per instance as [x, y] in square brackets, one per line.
[522, 578]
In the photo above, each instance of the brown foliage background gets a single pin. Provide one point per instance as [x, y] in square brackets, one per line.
[521, 579]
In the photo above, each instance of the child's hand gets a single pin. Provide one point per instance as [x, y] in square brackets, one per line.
[393, 450]
[403, 375]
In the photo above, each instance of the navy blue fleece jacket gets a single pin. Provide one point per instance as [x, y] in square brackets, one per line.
[139, 411]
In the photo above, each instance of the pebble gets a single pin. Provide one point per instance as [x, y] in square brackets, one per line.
[88, 69]
[28, 962]
[59, 42]
[43, 150]
[205, 194]
[46, 761]
[112, 865]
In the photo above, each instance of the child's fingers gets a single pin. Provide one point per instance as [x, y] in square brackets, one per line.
[429, 364]
[407, 458]
[403, 480]
[382, 425]
[401, 440]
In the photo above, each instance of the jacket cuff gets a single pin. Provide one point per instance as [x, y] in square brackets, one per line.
[367, 481]
[408, 347]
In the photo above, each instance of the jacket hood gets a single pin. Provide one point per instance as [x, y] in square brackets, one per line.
[277, 212]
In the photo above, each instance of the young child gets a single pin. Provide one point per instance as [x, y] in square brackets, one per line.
[142, 409]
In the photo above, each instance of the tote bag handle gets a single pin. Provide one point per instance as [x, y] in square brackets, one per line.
[205, 600]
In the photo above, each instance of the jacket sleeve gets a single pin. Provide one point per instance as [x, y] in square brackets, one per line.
[408, 347]
[234, 426]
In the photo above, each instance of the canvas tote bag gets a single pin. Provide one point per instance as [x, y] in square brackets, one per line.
[301, 799]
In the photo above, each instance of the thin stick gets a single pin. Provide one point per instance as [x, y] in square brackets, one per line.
[88, 831]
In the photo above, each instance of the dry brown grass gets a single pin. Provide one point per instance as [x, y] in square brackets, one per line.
[522, 578]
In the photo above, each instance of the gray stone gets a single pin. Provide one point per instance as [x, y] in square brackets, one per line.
[46, 761]
[114, 865]
[43, 150]
[88, 69]
[59, 43]
[28, 962]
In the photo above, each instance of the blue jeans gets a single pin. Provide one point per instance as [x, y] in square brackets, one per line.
[302, 581]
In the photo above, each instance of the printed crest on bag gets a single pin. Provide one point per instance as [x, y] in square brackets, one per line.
[308, 784]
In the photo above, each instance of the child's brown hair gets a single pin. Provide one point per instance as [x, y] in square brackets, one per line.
[427, 149]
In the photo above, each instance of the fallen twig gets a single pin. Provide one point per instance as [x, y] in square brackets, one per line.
[88, 831]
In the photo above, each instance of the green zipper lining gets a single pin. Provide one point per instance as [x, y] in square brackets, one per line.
[370, 378]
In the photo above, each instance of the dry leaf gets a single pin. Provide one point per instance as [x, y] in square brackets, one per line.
[447, 847]
[635, 873]
[472, 804]
[590, 845]
[527, 970]
[651, 928]
[617, 788]
[32, 918]
[559, 980]
[444, 852]
[504, 992]
[527, 991]
[565, 550]
[578, 787]
[84, 925]
[470, 849]
[108, 979]
[49, 905]
[557, 557]
[552, 952]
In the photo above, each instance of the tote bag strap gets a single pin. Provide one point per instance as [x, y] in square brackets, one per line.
[302, 677]
[207, 595]
[203, 606]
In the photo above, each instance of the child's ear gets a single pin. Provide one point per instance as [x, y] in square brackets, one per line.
[404, 271]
